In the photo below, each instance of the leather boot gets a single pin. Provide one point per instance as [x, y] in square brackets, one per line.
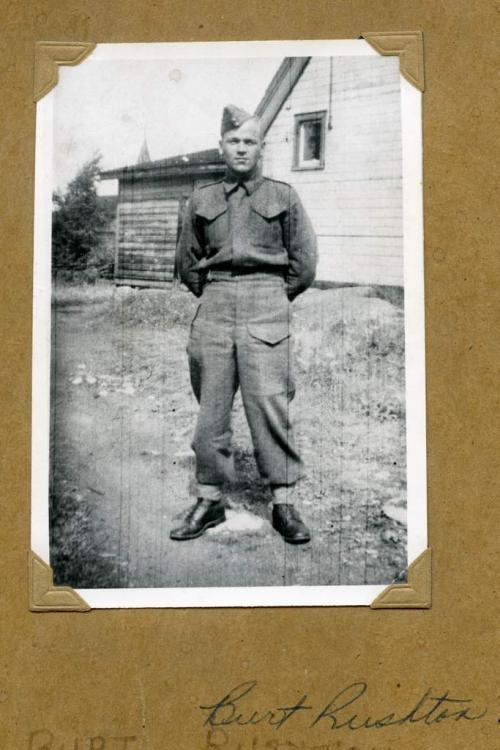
[287, 521]
[200, 517]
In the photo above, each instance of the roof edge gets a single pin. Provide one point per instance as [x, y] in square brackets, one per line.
[134, 172]
[279, 89]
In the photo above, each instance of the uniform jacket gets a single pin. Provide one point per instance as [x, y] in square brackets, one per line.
[271, 230]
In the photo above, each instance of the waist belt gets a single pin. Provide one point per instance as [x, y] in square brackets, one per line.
[215, 274]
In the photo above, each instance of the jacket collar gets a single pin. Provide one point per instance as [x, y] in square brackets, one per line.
[230, 183]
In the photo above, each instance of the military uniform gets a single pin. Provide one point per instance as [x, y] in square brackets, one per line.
[260, 225]
[247, 248]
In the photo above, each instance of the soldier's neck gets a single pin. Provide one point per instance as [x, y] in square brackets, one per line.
[239, 177]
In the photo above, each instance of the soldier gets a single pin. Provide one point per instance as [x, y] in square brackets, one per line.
[247, 248]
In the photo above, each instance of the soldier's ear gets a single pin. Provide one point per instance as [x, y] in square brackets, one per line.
[220, 147]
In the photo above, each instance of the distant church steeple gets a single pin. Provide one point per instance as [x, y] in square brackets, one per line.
[144, 156]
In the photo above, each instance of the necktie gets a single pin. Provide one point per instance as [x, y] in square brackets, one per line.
[237, 220]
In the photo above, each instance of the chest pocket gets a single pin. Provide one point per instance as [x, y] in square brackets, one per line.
[265, 224]
[213, 222]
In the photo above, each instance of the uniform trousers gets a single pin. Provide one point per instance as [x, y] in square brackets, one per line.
[240, 338]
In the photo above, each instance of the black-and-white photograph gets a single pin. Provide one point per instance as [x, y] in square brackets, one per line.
[228, 367]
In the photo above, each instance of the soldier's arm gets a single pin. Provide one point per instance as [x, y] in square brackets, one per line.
[300, 240]
[190, 251]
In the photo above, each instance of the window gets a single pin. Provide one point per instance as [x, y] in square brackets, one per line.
[309, 152]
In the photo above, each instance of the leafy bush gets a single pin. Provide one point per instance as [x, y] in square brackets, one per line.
[77, 218]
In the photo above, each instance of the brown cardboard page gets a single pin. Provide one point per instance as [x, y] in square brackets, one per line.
[306, 678]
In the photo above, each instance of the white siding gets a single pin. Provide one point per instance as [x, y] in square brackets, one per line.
[355, 202]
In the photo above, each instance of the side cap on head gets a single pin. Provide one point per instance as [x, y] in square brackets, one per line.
[233, 117]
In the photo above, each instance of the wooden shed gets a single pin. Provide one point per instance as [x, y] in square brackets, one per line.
[151, 197]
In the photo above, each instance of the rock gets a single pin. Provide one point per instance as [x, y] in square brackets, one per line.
[123, 291]
[90, 379]
[390, 537]
[95, 491]
[395, 511]
[240, 521]
[77, 381]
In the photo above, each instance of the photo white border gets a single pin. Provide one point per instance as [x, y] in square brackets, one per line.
[280, 596]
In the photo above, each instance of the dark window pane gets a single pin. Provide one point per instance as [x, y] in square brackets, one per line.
[311, 140]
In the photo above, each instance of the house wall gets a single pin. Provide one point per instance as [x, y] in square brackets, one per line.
[355, 201]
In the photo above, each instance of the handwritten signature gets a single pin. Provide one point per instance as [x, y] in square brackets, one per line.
[433, 707]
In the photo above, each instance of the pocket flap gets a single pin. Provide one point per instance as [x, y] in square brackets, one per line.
[268, 210]
[268, 201]
[271, 333]
[210, 202]
[210, 212]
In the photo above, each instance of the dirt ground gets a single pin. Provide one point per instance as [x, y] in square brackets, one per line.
[123, 416]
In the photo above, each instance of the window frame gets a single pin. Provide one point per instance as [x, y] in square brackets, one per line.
[299, 120]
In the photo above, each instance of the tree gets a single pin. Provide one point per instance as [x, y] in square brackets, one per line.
[77, 218]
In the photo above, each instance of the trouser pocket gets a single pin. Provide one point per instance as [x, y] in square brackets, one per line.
[266, 361]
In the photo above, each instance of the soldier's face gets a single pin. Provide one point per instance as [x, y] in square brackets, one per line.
[242, 147]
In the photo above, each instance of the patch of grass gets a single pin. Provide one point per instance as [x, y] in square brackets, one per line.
[76, 551]
[393, 294]
[64, 293]
[353, 359]
[128, 306]
[157, 308]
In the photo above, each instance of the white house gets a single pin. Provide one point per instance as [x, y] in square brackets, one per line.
[334, 132]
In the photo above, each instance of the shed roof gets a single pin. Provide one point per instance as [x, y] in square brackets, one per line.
[196, 162]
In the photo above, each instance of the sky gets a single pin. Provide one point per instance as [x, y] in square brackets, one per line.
[110, 106]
